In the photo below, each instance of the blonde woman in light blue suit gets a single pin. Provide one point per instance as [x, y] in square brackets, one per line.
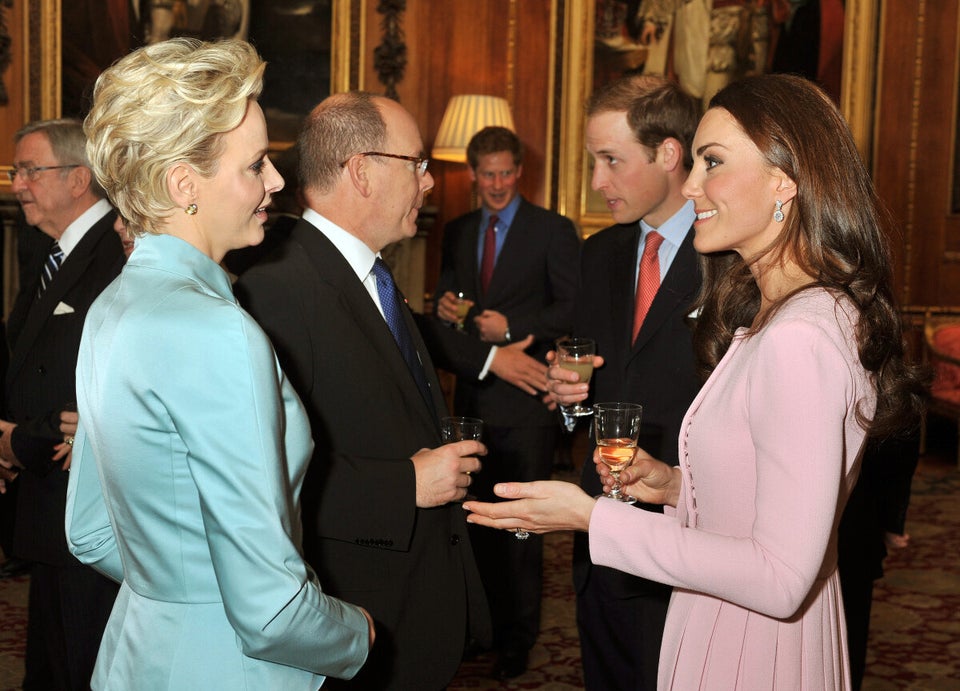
[192, 446]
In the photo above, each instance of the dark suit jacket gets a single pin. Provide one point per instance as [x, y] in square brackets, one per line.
[41, 380]
[657, 372]
[534, 285]
[413, 569]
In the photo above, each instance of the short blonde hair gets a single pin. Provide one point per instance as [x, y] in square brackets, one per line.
[163, 104]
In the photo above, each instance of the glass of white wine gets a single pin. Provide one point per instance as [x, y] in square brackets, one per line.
[576, 355]
[463, 308]
[617, 428]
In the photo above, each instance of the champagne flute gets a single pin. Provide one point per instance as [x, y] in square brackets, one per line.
[617, 428]
[576, 355]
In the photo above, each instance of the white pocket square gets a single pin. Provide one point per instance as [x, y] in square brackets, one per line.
[63, 308]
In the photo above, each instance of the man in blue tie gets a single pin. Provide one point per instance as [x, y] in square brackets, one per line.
[69, 257]
[382, 524]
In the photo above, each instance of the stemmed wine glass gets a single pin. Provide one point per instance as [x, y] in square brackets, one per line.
[576, 355]
[617, 428]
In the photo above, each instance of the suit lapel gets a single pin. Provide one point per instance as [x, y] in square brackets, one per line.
[336, 272]
[467, 258]
[506, 266]
[675, 292]
[70, 272]
[510, 261]
[622, 276]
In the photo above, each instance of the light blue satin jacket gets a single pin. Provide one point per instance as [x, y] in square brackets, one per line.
[185, 487]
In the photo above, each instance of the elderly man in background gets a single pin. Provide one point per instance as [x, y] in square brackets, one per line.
[68, 603]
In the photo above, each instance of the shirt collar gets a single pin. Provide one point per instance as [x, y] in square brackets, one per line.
[675, 228]
[81, 224]
[504, 217]
[354, 250]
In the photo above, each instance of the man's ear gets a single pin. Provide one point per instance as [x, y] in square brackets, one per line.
[81, 178]
[182, 184]
[671, 153]
[358, 170]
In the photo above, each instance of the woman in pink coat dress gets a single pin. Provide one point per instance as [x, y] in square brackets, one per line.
[801, 339]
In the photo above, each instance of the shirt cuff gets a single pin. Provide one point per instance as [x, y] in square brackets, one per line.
[487, 364]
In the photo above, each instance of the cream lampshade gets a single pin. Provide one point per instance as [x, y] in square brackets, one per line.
[463, 118]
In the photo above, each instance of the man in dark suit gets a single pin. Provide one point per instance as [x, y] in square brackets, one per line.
[516, 266]
[639, 131]
[873, 524]
[381, 524]
[69, 603]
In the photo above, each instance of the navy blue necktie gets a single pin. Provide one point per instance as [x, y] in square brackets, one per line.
[50, 267]
[393, 308]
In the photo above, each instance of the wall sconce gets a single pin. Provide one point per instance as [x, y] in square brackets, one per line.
[463, 118]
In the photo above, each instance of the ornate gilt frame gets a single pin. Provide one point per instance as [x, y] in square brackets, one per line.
[42, 50]
[857, 98]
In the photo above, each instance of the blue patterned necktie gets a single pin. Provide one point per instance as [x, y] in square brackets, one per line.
[50, 267]
[393, 308]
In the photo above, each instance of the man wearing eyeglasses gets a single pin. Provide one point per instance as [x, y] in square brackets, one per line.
[382, 524]
[69, 257]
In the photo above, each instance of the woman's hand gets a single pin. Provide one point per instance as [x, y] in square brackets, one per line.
[649, 480]
[537, 507]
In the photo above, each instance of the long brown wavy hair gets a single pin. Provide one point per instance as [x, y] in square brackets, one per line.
[836, 234]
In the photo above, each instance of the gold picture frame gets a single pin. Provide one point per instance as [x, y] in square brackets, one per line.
[577, 24]
[42, 46]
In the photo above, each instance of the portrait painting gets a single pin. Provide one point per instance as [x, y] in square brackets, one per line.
[703, 44]
[293, 36]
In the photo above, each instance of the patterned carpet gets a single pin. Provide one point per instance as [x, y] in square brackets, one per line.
[915, 628]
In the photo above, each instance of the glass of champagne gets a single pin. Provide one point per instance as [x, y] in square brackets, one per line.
[576, 355]
[463, 307]
[616, 428]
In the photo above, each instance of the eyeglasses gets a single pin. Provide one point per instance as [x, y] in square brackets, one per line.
[33, 174]
[419, 164]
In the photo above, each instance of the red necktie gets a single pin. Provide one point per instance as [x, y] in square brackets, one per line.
[489, 253]
[648, 280]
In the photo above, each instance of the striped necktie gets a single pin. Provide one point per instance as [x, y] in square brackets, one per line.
[50, 267]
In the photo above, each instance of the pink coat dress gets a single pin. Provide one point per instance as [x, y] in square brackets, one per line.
[769, 452]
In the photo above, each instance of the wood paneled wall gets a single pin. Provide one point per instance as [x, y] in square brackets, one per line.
[496, 47]
[914, 151]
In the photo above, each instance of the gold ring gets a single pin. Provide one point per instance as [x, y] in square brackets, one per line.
[69, 441]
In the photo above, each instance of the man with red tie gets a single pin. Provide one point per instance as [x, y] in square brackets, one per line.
[516, 266]
[638, 281]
